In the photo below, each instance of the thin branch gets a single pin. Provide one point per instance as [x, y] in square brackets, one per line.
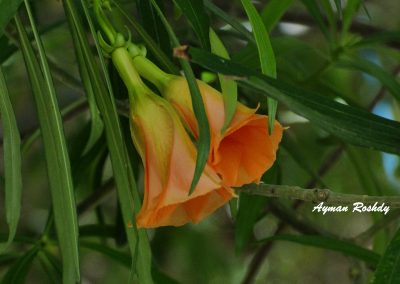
[317, 195]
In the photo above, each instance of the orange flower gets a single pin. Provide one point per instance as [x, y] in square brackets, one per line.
[245, 150]
[169, 158]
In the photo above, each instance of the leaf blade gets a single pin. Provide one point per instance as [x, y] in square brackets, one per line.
[388, 270]
[265, 53]
[12, 162]
[342, 246]
[58, 164]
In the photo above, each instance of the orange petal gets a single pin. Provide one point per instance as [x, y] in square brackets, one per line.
[169, 158]
[246, 152]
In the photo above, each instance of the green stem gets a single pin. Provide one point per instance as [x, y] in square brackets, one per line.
[123, 63]
[317, 195]
[151, 72]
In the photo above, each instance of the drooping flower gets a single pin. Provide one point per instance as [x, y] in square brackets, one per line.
[169, 158]
[244, 151]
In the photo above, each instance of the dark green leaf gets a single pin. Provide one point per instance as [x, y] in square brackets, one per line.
[348, 14]
[19, 270]
[342, 246]
[265, 53]
[388, 270]
[203, 146]
[313, 8]
[12, 161]
[8, 8]
[198, 18]
[351, 124]
[387, 79]
[228, 86]
[152, 24]
[233, 22]
[58, 164]
[51, 266]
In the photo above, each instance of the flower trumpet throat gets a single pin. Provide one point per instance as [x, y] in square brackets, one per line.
[244, 151]
[169, 158]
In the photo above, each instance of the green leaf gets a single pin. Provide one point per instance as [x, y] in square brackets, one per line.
[18, 272]
[125, 260]
[348, 14]
[388, 270]
[57, 160]
[152, 24]
[387, 79]
[198, 18]
[352, 124]
[228, 86]
[342, 246]
[273, 12]
[12, 162]
[338, 4]
[120, 257]
[378, 38]
[290, 144]
[265, 53]
[123, 174]
[203, 146]
[51, 266]
[314, 10]
[233, 22]
[96, 123]
[8, 8]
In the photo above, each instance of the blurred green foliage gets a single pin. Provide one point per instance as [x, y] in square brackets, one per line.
[347, 51]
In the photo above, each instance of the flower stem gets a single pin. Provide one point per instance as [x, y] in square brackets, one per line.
[123, 63]
[151, 72]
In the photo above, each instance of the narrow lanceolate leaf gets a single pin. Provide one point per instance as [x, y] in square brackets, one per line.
[387, 79]
[273, 12]
[228, 86]
[96, 123]
[203, 146]
[314, 10]
[265, 53]
[152, 24]
[348, 14]
[342, 246]
[8, 8]
[198, 18]
[233, 22]
[123, 174]
[57, 160]
[352, 124]
[388, 270]
[12, 161]
[18, 272]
